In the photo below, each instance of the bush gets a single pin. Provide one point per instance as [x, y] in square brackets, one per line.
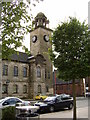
[8, 113]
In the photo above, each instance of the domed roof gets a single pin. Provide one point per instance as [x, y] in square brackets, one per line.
[40, 15]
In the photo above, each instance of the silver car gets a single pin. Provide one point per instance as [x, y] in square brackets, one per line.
[11, 101]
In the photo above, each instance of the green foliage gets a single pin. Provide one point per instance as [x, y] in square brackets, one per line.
[71, 54]
[8, 113]
[12, 30]
[16, 22]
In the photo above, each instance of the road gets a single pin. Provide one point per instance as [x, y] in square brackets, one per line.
[82, 111]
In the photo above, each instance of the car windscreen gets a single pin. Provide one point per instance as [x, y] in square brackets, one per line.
[50, 98]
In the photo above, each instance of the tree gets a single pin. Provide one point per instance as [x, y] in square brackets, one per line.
[71, 54]
[16, 22]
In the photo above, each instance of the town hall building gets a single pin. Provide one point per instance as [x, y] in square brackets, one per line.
[26, 76]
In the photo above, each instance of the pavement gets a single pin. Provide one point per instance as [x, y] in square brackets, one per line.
[82, 98]
[81, 113]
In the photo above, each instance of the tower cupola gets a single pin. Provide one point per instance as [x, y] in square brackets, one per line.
[40, 20]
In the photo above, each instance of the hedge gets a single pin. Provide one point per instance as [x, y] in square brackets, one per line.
[8, 113]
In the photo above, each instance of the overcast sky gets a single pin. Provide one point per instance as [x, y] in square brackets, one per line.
[59, 10]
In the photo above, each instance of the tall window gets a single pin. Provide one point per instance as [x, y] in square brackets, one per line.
[24, 72]
[24, 89]
[15, 71]
[38, 71]
[48, 75]
[5, 70]
[39, 89]
[47, 89]
[4, 88]
[15, 88]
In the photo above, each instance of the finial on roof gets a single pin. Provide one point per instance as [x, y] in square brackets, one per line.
[40, 20]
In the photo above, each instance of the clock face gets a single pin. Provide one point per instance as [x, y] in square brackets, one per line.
[34, 38]
[46, 38]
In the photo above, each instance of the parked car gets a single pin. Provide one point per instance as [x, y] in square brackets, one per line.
[40, 97]
[26, 112]
[26, 109]
[11, 101]
[56, 102]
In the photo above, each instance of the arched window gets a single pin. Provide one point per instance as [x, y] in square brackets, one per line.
[25, 89]
[15, 88]
[24, 72]
[39, 89]
[15, 71]
[5, 70]
[48, 75]
[38, 71]
[47, 89]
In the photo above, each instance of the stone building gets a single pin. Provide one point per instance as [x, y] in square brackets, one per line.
[27, 76]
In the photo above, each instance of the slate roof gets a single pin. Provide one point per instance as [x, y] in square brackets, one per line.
[20, 57]
[62, 82]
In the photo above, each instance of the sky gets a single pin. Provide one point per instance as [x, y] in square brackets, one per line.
[58, 11]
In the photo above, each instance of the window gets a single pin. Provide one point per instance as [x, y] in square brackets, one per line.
[68, 87]
[5, 70]
[57, 87]
[61, 87]
[24, 72]
[15, 71]
[48, 75]
[4, 88]
[15, 88]
[59, 98]
[38, 71]
[11, 101]
[47, 89]
[24, 89]
[39, 88]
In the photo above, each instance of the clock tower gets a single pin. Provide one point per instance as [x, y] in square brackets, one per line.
[41, 65]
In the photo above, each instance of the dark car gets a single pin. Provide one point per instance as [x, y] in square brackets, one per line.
[54, 103]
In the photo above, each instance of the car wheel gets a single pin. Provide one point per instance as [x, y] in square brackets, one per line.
[70, 106]
[51, 108]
